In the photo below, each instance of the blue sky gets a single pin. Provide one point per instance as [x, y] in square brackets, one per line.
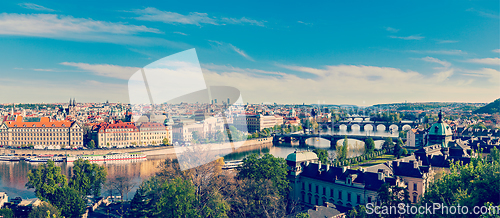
[339, 52]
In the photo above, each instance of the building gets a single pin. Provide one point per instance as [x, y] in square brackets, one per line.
[152, 133]
[119, 134]
[316, 184]
[3, 199]
[416, 138]
[40, 133]
[256, 123]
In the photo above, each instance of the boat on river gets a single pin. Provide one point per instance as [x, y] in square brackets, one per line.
[107, 157]
[45, 158]
[9, 158]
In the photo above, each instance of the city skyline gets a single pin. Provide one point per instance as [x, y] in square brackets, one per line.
[335, 54]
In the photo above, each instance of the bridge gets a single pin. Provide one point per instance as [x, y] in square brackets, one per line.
[388, 126]
[332, 138]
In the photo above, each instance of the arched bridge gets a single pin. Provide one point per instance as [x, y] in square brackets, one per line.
[332, 138]
[388, 126]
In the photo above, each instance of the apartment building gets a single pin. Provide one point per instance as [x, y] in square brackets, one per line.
[256, 123]
[40, 133]
[119, 134]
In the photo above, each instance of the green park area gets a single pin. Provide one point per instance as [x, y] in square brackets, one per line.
[376, 160]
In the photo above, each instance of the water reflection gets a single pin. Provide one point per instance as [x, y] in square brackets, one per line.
[14, 175]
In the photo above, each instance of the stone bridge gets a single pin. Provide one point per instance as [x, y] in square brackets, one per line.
[332, 138]
[388, 126]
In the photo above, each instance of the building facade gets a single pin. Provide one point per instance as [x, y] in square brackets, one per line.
[41, 133]
[119, 134]
[256, 123]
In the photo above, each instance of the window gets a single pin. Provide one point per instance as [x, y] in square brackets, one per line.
[331, 192]
[340, 195]
[414, 198]
[324, 191]
[348, 196]
[309, 190]
[369, 199]
[317, 189]
[358, 199]
[303, 186]
[414, 186]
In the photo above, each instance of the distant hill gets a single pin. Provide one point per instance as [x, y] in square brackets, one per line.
[491, 108]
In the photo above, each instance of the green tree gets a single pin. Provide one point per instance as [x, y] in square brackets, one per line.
[91, 144]
[88, 178]
[165, 142]
[45, 210]
[474, 184]
[357, 212]
[69, 201]
[398, 149]
[266, 167]
[342, 150]
[322, 155]
[46, 179]
[257, 198]
[177, 200]
[6, 213]
[402, 133]
[302, 215]
[392, 196]
[388, 144]
[369, 146]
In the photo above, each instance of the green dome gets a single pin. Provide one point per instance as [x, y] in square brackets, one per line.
[440, 129]
[299, 156]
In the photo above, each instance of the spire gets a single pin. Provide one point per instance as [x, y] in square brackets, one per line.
[440, 115]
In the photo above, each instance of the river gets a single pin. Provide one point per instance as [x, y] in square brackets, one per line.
[13, 175]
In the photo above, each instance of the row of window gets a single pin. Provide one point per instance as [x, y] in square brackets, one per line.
[41, 130]
[331, 194]
[46, 134]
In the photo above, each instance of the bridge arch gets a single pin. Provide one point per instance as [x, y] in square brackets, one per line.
[393, 127]
[372, 126]
[381, 127]
[406, 127]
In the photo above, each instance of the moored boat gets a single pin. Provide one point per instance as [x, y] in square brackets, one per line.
[9, 158]
[107, 157]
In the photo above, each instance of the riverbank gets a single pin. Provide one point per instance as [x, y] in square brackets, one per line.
[148, 151]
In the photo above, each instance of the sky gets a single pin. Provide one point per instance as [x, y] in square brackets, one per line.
[327, 52]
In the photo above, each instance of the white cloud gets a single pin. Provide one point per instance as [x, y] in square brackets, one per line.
[181, 33]
[484, 14]
[441, 52]
[35, 7]
[392, 30]
[194, 18]
[224, 46]
[412, 37]
[107, 70]
[492, 74]
[242, 20]
[30, 91]
[435, 60]
[71, 28]
[302, 22]
[345, 84]
[496, 50]
[489, 61]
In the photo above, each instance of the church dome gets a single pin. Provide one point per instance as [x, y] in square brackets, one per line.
[440, 128]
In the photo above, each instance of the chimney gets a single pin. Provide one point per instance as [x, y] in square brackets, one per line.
[327, 167]
[307, 163]
[344, 168]
[319, 166]
[395, 163]
[381, 176]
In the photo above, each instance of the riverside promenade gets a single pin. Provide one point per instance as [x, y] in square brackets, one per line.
[149, 151]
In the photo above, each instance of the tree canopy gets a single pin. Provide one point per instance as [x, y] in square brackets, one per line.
[322, 155]
[266, 167]
[88, 178]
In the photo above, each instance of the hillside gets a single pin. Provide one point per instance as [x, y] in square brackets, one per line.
[491, 108]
